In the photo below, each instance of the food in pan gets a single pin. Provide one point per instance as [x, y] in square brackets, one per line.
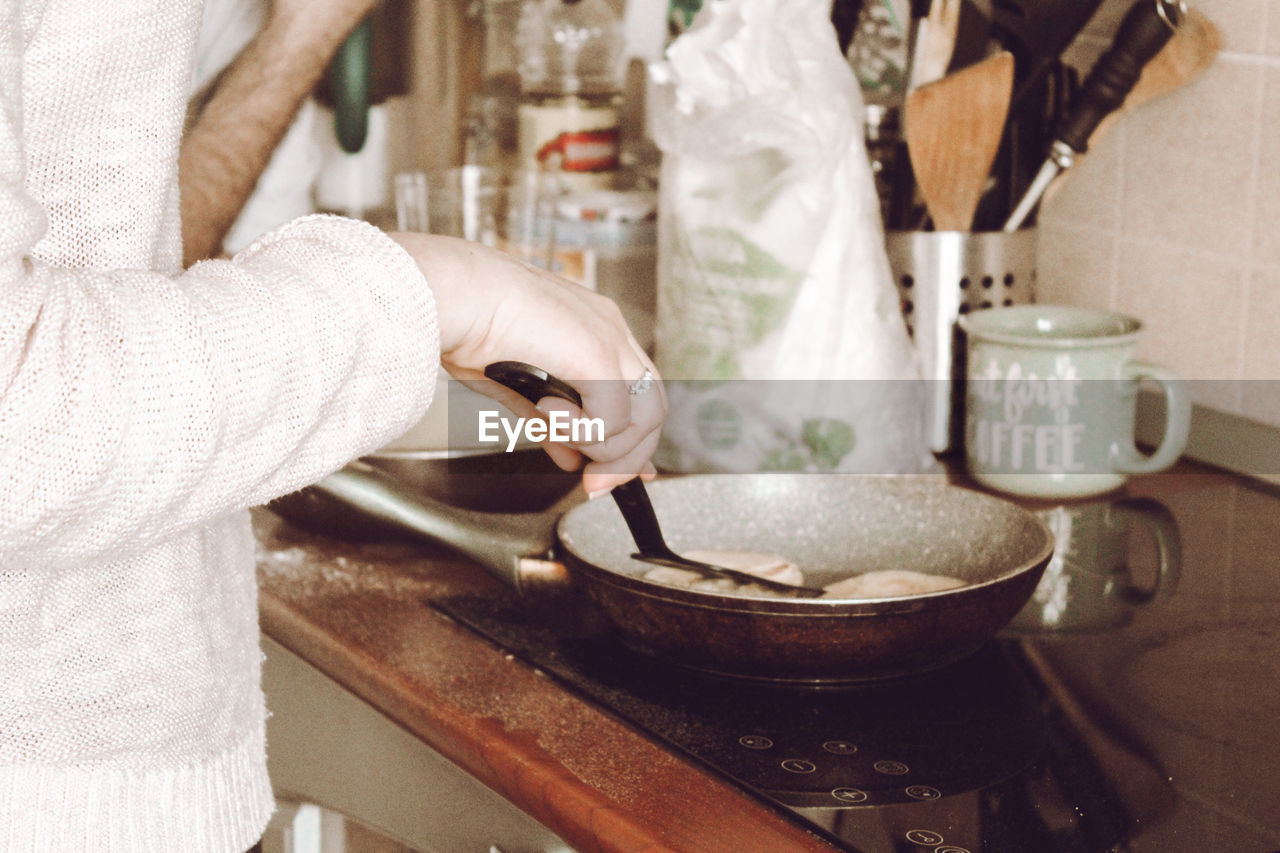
[756, 563]
[885, 583]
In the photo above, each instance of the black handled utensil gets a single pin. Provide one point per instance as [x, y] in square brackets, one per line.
[1037, 32]
[632, 497]
[1146, 28]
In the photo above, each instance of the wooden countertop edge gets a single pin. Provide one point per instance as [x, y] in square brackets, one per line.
[517, 768]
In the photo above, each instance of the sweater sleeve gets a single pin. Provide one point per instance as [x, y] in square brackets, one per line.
[135, 404]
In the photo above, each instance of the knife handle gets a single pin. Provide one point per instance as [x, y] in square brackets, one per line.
[1146, 28]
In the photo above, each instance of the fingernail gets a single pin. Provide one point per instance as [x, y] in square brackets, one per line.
[597, 493]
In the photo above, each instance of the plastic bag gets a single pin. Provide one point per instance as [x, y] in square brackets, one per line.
[772, 270]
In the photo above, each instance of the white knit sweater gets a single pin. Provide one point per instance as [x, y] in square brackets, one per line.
[141, 410]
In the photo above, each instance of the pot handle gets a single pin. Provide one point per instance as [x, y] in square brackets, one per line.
[514, 547]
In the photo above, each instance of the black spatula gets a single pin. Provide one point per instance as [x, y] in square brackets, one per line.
[632, 497]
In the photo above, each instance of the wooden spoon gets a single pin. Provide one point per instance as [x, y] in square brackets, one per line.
[953, 129]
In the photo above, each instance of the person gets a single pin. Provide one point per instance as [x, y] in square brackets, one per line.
[250, 156]
[272, 129]
[144, 407]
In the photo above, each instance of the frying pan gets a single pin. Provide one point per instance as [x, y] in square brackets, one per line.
[832, 525]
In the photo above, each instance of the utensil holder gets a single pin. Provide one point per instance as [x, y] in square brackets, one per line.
[941, 275]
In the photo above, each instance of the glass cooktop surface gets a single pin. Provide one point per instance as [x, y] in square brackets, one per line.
[1130, 706]
[973, 757]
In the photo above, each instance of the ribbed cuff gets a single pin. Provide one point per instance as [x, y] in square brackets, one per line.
[220, 806]
[342, 233]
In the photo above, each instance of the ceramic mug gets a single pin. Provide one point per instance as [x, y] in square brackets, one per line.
[1050, 393]
[1088, 585]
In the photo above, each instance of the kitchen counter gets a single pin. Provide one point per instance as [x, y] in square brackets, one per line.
[362, 614]
[1170, 683]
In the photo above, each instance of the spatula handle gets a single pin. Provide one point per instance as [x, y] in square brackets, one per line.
[534, 383]
[632, 498]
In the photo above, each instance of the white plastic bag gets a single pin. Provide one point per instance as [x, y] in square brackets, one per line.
[772, 267]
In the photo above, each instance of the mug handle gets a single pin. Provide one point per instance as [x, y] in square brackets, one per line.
[1126, 458]
[1157, 518]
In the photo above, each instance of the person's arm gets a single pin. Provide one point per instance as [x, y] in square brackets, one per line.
[135, 403]
[249, 111]
[494, 307]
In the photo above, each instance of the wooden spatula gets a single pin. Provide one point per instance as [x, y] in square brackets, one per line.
[953, 129]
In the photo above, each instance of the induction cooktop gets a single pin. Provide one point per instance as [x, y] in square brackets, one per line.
[975, 757]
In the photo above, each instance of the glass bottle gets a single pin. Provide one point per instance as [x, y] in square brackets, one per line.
[571, 56]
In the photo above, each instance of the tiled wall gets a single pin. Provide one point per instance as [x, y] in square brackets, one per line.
[1174, 217]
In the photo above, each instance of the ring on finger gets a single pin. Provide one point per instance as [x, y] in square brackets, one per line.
[643, 385]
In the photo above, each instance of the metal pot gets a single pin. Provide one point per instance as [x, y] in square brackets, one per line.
[833, 526]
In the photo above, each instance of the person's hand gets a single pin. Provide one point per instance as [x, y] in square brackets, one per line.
[492, 307]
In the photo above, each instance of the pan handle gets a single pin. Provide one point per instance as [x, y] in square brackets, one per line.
[515, 547]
